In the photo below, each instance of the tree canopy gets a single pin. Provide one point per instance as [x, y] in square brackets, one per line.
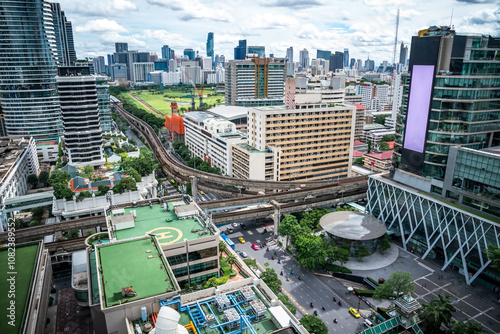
[465, 327]
[437, 311]
[399, 282]
[313, 324]
[493, 254]
[310, 250]
[271, 279]
[59, 176]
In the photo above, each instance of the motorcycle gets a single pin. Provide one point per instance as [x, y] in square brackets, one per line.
[323, 308]
[340, 303]
[335, 320]
[312, 305]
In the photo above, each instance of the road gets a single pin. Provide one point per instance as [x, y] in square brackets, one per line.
[131, 135]
[316, 288]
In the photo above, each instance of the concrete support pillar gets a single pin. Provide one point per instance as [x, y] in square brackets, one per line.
[194, 188]
[276, 215]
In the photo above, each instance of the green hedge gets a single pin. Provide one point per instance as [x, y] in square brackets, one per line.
[367, 293]
[372, 280]
[337, 269]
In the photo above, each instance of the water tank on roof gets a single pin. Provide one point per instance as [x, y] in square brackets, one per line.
[167, 320]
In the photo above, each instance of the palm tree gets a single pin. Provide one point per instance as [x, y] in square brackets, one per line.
[466, 327]
[436, 312]
[231, 259]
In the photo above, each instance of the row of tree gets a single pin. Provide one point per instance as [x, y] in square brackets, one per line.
[193, 162]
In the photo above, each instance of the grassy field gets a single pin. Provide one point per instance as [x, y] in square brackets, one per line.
[25, 262]
[161, 101]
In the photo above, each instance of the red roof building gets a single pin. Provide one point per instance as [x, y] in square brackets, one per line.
[378, 162]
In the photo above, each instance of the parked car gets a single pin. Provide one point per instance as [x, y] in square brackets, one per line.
[243, 226]
[254, 246]
[241, 240]
[234, 225]
[354, 312]
[243, 254]
[229, 230]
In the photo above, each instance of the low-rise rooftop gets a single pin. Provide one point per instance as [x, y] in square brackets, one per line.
[132, 270]
[164, 224]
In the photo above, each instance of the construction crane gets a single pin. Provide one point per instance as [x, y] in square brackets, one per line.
[200, 94]
[395, 45]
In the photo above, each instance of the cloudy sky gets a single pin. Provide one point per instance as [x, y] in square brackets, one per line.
[363, 26]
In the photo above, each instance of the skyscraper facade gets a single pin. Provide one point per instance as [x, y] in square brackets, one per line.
[403, 54]
[304, 58]
[99, 65]
[121, 47]
[28, 90]
[210, 47]
[336, 61]
[450, 98]
[259, 50]
[353, 61]
[79, 105]
[289, 54]
[167, 53]
[240, 51]
[189, 53]
[255, 82]
[323, 54]
[346, 57]
[63, 32]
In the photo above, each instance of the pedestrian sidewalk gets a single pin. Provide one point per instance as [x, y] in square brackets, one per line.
[375, 261]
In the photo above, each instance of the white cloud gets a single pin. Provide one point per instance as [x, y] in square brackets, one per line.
[105, 8]
[99, 26]
[271, 21]
[194, 9]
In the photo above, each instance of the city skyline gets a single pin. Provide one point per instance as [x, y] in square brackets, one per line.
[276, 24]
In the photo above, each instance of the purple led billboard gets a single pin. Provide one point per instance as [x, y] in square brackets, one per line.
[418, 107]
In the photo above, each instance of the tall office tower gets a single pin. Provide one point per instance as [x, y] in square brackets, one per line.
[103, 103]
[111, 59]
[28, 90]
[210, 47]
[359, 64]
[190, 53]
[353, 61]
[336, 61]
[346, 57]
[259, 50]
[289, 54]
[222, 60]
[80, 110]
[271, 55]
[323, 54]
[216, 61]
[240, 51]
[369, 65]
[167, 53]
[403, 54]
[99, 65]
[255, 82]
[452, 99]
[304, 58]
[121, 47]
[63, 31]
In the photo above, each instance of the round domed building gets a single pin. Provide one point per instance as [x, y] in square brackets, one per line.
[354, 229]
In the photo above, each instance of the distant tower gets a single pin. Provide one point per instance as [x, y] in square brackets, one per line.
[304, 58]
[63, 31]
[121, 47]
[210, 47]
[289, 54]
[403, 54]
[240, 51]
[346, 58]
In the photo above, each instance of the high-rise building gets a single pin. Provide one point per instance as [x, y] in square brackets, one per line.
[28, 90]
[259, 50]
[452, 99]
[351, 64]
[210, 47]
[103, 103]
[289, 54]
[255, 82]
[99, 65]
[240, 51]
[63, 31]
[189, 53]
[80, 111]
[167, 53]
[336, 61]
[222, 60]
[403, 54]
[323, 54]
[121, 47]
[111, 59]
[141, 71]
[346, 57]
[304, 58]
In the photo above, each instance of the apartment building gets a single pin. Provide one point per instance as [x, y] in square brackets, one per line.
[211, 138]
[310, 142]
[255, 82]
[359, 122]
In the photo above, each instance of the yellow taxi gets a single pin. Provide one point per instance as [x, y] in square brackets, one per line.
[241, 240]
[354, 312]
[201, 192]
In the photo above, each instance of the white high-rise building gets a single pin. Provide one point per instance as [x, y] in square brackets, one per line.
[289, 54]
[141, 71]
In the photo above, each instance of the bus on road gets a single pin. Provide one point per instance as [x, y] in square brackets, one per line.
[229, 242]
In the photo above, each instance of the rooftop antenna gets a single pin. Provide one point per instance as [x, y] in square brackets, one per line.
[451, 19]
[395, 44]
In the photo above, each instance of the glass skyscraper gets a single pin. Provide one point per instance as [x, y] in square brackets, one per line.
[451, 97]
[210, 47]
[28, 88]
[63, 32]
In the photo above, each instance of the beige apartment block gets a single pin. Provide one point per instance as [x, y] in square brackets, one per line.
[310, 142]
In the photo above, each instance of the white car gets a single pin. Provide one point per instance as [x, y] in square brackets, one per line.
[234, 225]
[243, 254]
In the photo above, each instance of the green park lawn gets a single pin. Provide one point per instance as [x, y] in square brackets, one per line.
[161, 101]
